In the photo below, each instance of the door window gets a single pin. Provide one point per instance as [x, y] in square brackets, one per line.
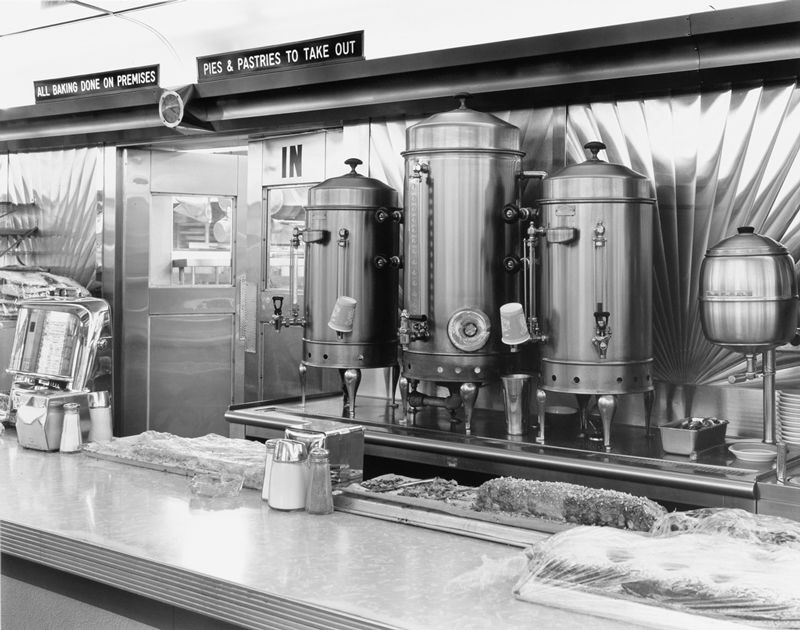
[285, 211]
[190, 240]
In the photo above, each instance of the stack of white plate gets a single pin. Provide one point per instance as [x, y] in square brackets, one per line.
[789, 416]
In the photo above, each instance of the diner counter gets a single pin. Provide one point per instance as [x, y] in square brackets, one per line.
[238, 561]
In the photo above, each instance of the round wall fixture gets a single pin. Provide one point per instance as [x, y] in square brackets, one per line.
[469, 329]
[170, 108]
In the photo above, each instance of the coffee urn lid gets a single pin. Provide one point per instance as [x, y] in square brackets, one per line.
[463, 128]
[596, 179]
[352, 190]
[747, 243]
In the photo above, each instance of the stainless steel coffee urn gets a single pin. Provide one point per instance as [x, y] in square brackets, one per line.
[461, 169]
[596, 288]
[748, 303]
[352, 260]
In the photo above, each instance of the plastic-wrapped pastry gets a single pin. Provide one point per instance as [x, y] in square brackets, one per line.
[568, 502]
[666, 580]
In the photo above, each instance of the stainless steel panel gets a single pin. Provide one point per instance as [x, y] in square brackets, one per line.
[111, 259]
[278, 375]
[210, 174]
[131, 322]
[200, 300]
[190, 375]
[252, 246]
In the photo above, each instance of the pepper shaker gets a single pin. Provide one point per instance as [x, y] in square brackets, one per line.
[319, 497]
[101, 427]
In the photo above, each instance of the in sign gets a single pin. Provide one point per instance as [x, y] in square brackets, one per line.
[292, 161]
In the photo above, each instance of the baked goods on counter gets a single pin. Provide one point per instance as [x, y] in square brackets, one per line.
[667, 577]
[210, 453]
[568, 502]
[548, 505]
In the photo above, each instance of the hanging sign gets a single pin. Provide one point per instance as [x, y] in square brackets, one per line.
[98, 83]
[345, 47]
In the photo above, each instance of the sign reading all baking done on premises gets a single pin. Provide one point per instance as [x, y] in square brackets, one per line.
[98, 83]
[346, 47]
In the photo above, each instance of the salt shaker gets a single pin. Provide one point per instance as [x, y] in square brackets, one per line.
[288, 476]
[101, 427]
[319, 497]
[270, 444]
[71, 429]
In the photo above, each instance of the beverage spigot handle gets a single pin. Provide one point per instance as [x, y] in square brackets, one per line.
[277, 315]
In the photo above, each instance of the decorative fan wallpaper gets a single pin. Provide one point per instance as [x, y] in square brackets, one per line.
[718, 160]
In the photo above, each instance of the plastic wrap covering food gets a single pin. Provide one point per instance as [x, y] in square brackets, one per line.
[705, 575]
[212, 453]
[20, 283]
[754, 528]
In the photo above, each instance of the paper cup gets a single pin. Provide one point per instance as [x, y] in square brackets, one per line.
[513, 325]
[344, 311]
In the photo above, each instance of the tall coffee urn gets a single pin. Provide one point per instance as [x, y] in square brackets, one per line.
[352, 260]
[596, 301]
[461, 170]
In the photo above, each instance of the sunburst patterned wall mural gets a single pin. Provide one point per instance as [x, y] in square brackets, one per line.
[718, 160]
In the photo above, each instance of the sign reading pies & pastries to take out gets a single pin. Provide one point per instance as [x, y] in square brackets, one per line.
[344, 47]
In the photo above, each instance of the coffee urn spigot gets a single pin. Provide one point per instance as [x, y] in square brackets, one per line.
[412, 328]
[280, 321]
[602, 331]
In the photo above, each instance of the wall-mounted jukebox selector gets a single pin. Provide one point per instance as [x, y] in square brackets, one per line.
[512, 264]
[393, 262]
[469, 329]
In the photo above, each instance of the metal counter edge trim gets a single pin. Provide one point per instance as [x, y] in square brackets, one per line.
[192, 591]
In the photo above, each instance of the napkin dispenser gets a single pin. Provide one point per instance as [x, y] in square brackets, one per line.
[344, 442]
[40, 418]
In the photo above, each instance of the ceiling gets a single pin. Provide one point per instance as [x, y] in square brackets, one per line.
[45, 39]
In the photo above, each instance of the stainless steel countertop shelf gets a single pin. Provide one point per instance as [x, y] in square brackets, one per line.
[637, 464]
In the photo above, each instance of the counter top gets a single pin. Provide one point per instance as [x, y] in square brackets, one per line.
[239, 561]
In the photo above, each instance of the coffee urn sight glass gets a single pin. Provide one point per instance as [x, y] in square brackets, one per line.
[352, 263]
